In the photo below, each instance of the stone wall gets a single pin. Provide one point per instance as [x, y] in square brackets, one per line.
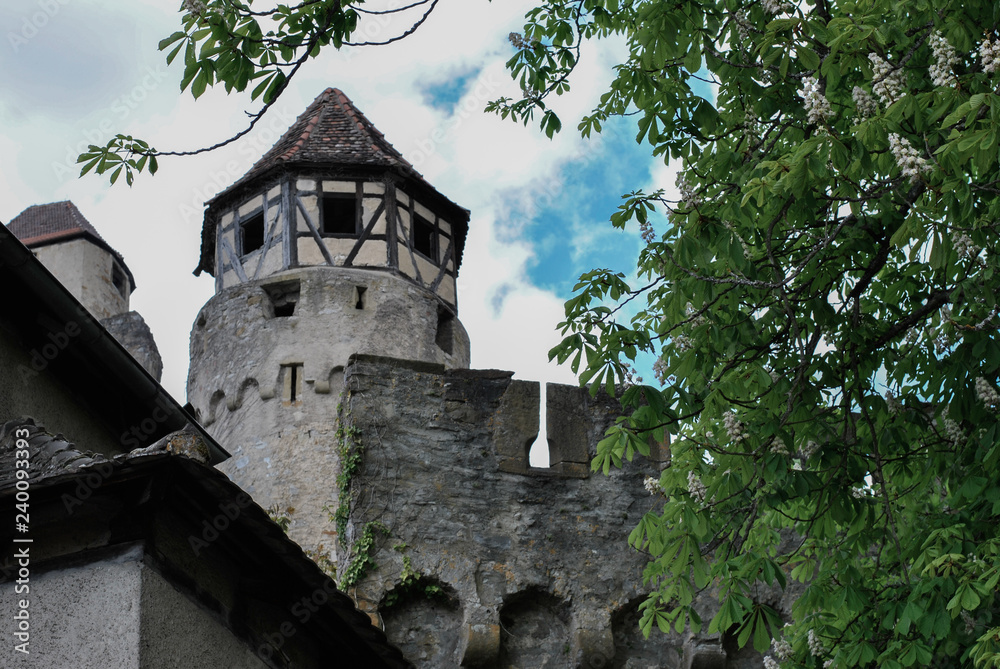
[132, 332]
[508, 565]
[86, 270]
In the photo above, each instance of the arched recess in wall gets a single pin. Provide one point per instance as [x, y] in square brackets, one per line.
[534, 630]
[632, 649]
[213, 405]
[248, 390]
[424, 620]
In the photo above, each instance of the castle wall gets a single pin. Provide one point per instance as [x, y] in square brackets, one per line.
[267, 360]
[131, 331]
[532, 564]
[86, 270]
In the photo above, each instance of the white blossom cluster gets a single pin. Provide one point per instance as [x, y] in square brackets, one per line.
[969, 622]
[809, 449]
[987, 394]
[660, 370]
[816, 104]
[734, 427]
[652, 485]
[909, 160]
[865, 103]
[696, 488]
[770, 663]
[888, 84]
[775, 6]
[689, 199]
[742, 25]
[945, 59]
[964, 246]
[815, 645]
[196, 7]
[646, 231]
[781, 648]
[858, 493]
[953, 431]
[989, 53]
[892, 404]
[779, 447]
[682, 343]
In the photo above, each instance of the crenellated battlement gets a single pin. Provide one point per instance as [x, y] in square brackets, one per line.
[534, 560]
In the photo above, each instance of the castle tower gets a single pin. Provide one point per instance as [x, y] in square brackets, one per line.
[69, 247]
[75, 253]
[332, 244]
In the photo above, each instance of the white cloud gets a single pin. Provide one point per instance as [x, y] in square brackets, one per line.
[480, 161]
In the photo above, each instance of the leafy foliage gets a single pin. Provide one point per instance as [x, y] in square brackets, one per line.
[821, 299]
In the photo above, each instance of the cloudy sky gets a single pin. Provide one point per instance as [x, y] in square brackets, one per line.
[74, 72]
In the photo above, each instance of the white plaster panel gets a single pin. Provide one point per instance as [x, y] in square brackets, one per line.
[405, 264]
[226, 219]
[446, 289]
[250, 205]
[311, 205]
[339, 187]
[428, 270]
[368, 207]
[372, 254]
[273, 193]
[374, 187]
[309, 253]
[402, 198]
[423, 211]
[305, 184]
[339, 248]
[444, 226]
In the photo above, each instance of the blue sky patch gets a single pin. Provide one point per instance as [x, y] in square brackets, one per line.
[445, 94]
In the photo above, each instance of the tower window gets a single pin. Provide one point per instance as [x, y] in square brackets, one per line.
[283, 297]
[118, 280]
[424, 238]
[339, 214]
[291, 383]
[359, 297]
[252, 233]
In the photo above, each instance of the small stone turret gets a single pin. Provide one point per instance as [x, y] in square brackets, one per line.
[94, 273]
[331, 245]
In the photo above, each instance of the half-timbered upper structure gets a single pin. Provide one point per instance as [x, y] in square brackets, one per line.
[332, 191]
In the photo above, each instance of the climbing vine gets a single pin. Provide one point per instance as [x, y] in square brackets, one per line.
[361, 554]
[351, 452]
[412, 584]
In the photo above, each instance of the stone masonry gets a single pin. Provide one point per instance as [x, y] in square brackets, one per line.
[483, 560]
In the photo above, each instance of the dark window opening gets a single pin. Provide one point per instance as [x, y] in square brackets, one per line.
[424, 238]
[283, 296]
[340, 214]
[118, 280]
[445, 336]
[252, 233]
[292, 383]
[359, 297]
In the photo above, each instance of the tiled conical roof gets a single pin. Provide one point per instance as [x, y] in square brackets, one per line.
[330, 131]
[43, 224]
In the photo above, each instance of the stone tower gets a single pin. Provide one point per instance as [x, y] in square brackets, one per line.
[331, 245]
[94, 273]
